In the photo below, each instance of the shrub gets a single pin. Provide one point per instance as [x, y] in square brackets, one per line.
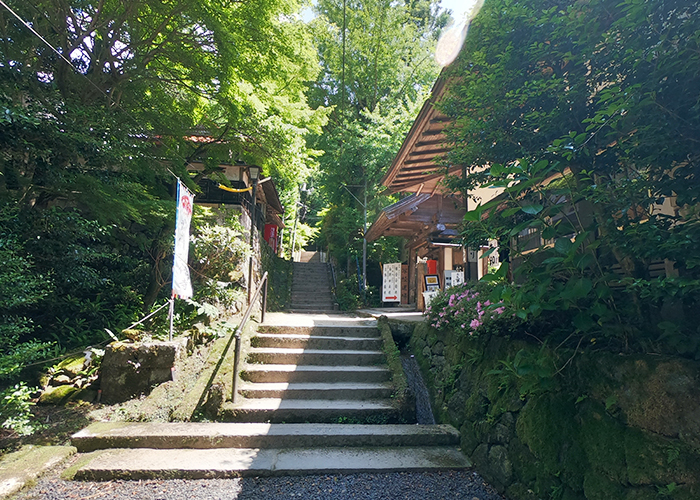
[15, 409]
[469, 308]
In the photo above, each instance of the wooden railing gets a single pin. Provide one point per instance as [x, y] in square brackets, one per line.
[262, 287]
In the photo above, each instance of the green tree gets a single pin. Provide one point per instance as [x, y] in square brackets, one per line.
[377, 64]
[586, 115]
[88, 129]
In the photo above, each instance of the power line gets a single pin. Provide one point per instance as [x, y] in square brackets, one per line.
[70, 63]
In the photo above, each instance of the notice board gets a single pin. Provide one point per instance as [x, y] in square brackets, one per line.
[391, 284]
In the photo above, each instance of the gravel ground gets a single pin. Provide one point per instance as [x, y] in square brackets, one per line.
[465, 485]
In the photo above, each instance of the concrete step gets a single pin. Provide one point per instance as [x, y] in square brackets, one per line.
[338, 390]
[334, 357]
[315, 342]
[199, 435]
[234, 462]
[280, 410]
[323, 331]
[314, 374]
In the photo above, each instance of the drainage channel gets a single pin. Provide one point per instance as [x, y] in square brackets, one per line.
[424, 412]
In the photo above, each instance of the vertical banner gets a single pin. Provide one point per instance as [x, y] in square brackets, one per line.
[271, 236]
[391, 286]
[182, 286]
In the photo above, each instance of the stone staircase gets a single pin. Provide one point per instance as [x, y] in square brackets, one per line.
[314, 374]
[311, 288]
[315, 397]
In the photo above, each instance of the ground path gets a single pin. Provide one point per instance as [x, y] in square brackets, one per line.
[379, 484]
[466, 485]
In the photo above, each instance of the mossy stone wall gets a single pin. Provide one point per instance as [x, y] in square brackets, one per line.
[605, 427]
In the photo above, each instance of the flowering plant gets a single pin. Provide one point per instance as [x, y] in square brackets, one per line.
[466, 307]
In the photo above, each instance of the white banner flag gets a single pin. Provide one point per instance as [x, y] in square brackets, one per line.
[182, 286]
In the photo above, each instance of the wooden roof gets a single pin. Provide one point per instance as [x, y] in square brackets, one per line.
[418, 217]
[415, 168]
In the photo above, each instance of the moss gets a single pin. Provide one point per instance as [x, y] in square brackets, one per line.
[57, 395]
[71, 366]
[654, 459]
[641, 494]
[600, 487]
[603, 441]
[524, 462]
[520, 491]
[547, 426]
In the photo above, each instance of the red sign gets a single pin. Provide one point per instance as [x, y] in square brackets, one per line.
[271, 236]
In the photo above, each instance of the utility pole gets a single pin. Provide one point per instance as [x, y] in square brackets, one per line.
[364, 235]
[364, 247]
[253, 172]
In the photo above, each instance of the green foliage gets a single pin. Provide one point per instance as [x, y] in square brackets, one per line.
[15, 409]
[585, 117]
[347, 295]
[529, 371]
[376, 66]
[88, 237]
[220, 255]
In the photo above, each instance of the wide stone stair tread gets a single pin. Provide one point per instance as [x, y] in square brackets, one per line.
[234, 462]
[281, 410]
[338, 390]
[312, 404]
[322, 331]
[315, 342]
[208, 435]
[314, 373]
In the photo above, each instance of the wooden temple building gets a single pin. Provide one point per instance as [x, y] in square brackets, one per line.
[428, 217]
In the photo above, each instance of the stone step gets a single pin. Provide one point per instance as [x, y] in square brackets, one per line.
[315, 342]
[334, 357]
[234, 462]
[301, 300]
[314, 374]
[326, 307]
[200, 435]
[338, 390]
[279, 410]
[299, 310]
[369, 331]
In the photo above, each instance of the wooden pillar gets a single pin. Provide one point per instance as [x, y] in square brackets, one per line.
[447, 256]
[412, 288]
[420, 286]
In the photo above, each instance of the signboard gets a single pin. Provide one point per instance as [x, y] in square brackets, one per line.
[271, 236]
[391, 284]
[432, 283]
[453, 278]
[182, 286]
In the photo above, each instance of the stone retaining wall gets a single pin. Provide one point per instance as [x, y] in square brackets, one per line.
[606, 427]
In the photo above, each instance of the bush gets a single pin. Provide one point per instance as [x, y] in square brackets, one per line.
[219, 256]
[15, 409]
[470, 308]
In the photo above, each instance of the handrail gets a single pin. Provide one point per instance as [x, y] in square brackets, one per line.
[333, 278]
[237, 354]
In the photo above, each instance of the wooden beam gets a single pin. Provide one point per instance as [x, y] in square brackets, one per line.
[433, 152]
[432, 142]
[424, 161]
